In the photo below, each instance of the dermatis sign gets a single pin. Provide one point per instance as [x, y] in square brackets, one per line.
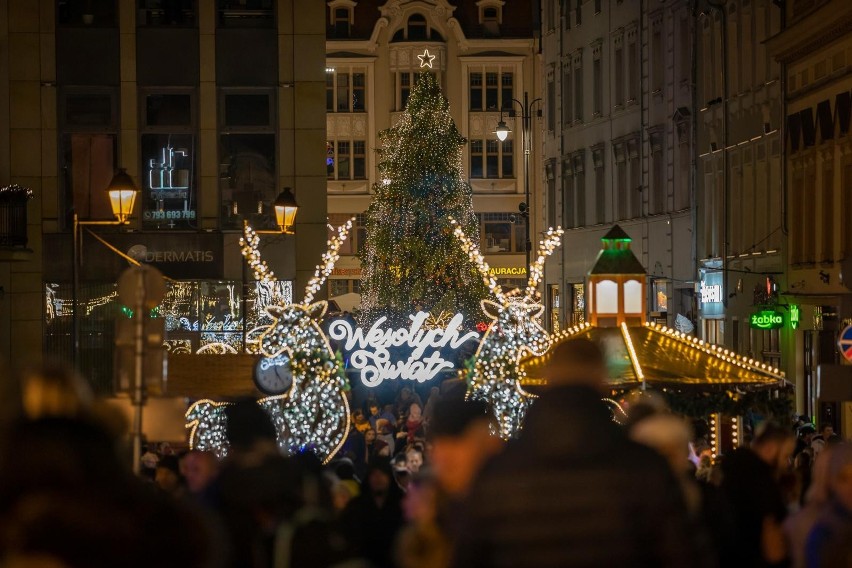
[415, 353]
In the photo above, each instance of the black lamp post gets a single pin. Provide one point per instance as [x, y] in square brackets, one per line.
[122, 192]
[502, 131]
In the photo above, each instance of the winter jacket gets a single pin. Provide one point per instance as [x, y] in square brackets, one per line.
[573, 491]
[749, 485]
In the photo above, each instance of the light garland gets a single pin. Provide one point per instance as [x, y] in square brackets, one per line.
[718, 352]
[57, 307]
[631, 352]
[714, 441]
[475, 256]
[619, 415]
[15, 191]
[249, 243]
[515, 331]
[329, 258]
[552, 239]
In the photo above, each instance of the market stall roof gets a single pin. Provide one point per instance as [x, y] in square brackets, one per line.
[616, 257]
[663, 357]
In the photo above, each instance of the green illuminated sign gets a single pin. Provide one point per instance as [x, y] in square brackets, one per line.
[767, 319]
[794, 316]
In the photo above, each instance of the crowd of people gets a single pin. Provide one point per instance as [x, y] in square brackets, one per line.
[422, 485]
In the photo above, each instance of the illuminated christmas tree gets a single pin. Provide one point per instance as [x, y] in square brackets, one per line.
[411, 259]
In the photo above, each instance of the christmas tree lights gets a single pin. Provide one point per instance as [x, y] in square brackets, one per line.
[410, 259]
[515, 331]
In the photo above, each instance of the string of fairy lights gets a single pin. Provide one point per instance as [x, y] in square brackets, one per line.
[249, 247]
[475, 256]
[329, 258]
[552, 239]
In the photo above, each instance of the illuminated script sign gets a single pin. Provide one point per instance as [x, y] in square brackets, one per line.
[767, 319]
[417, 353]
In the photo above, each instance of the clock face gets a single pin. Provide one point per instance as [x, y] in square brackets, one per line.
[272, 375]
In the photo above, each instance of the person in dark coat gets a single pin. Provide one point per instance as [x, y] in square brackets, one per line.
[372, 520]
[750, 485]
[67, 499]
[573, 490]
[830, 541]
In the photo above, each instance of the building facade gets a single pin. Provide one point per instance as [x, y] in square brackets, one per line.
[485, 56]
[161, 89]
[618, 145]
[814, 52]
[739, 197]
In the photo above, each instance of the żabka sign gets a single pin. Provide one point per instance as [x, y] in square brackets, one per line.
[767, 319]
[414, 353]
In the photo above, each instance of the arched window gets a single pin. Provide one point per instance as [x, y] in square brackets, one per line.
[606, 293]
[632, 297]
[417, 28]
[342, 18]
[489, 14]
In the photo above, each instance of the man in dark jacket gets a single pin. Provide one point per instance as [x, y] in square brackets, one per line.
[573, 491]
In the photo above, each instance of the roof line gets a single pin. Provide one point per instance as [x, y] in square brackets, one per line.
[634, 360]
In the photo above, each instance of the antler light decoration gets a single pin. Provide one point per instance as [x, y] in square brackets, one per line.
[329, 258]
[313, 415]
[552, 239]
[249, 243]
[515, 331]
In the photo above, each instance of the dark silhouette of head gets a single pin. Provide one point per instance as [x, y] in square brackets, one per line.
[576, 362]
[248, 424]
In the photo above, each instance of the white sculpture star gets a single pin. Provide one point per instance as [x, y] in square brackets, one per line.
[423, 59]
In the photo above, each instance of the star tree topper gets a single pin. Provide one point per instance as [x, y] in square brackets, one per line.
[426, 59]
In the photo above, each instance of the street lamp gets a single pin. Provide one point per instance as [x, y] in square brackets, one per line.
[502, 131]
[285, 207]
[285, 211]
[122, 193]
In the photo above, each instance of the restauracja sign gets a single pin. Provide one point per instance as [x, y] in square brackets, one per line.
[414, 353]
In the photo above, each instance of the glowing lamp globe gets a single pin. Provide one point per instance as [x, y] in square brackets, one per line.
[122, 195]
[285, 210]
[502, 131]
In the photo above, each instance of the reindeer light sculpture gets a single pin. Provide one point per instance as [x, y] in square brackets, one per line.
[515, 331]
[314, 413]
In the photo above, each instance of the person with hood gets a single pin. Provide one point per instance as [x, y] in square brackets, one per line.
[552, 498]
[372, 520]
